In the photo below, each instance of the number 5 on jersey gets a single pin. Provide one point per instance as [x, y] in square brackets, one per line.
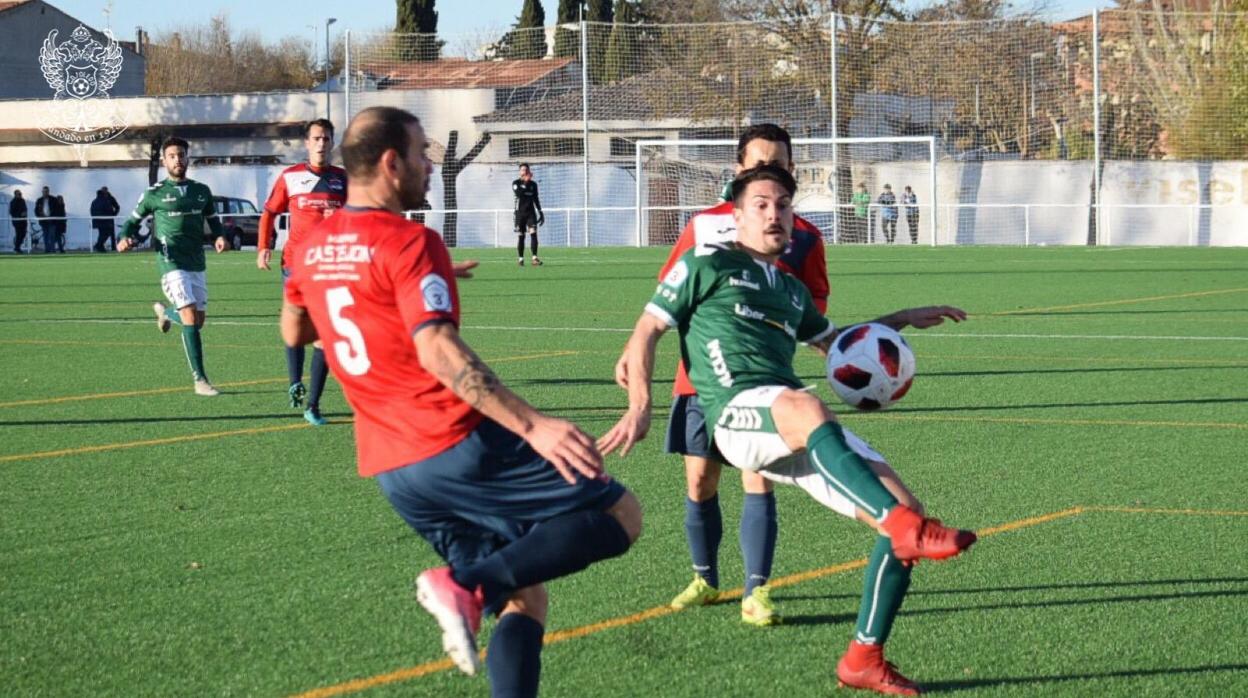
[350, 350]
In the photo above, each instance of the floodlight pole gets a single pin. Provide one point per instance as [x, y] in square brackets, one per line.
[1096, 125]
[585, 121]
[328, 21]
[836, 164]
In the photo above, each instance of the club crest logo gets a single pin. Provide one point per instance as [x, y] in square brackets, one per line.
[81, 71]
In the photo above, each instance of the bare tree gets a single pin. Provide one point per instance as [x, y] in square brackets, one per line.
[213, 58]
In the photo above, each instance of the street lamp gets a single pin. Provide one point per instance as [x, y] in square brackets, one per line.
[328, 22]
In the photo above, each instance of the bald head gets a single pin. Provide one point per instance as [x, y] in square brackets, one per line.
[370, 134]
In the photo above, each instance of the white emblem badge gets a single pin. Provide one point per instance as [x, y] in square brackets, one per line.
[677, 275]
[437, 294]
[82, 70]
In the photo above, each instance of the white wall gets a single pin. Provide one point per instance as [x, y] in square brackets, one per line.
[1147, 203]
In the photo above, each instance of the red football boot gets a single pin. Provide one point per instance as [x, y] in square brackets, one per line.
[864, 666]
[915, 537]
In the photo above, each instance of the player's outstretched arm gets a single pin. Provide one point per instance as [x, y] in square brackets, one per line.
[444, 354]
[922, 318]
[463, 270]
[638, 368]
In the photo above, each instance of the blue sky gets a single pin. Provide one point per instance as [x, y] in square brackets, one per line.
[273, 19]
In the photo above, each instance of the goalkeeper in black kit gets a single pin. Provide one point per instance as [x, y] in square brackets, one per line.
[528, 213]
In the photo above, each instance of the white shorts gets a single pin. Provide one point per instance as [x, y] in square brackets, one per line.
[184, 288]
[747, 438]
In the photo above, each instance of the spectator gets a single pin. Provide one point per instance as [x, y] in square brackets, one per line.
[58, 221]
[43, 211]
[103, 210]
[911, 202]
[17, 214]
[888, 213]
[862, 210]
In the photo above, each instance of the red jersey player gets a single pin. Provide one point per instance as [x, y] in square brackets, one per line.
[309, 192]
[469, 465]
[686, 429]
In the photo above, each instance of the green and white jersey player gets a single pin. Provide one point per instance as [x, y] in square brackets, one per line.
[739, 319]
[179, 209]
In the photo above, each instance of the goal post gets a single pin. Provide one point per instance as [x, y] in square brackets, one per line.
[676, 178]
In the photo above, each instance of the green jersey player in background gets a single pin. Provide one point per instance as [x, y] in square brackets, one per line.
[179, 208]
[740, 318]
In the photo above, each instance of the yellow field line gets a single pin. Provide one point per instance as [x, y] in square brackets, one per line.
[1063, 422]
[358, 685]
[149, 442]
[160, 391]
[1123, 301]
[129, 393]
[1156, 510]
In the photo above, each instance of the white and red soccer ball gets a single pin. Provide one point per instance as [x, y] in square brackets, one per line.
[870, 366]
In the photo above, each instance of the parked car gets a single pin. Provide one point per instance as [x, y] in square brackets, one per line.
[239, 219]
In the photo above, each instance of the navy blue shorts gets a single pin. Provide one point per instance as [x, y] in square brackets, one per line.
[686, 428]
[485, 492]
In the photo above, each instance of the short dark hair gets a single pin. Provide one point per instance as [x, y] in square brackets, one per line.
[766, 132]
[525, 165]
[370, 134]
[769, 172]
[174, 141]
[323, 123]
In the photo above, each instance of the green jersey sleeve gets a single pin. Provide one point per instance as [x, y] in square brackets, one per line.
[814, 326]
[141, 210]
[679, 292]
[210, 216]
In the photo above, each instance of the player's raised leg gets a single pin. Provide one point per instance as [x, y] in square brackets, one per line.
[803, 422]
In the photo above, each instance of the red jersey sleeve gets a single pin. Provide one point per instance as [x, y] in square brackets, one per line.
[814, 275]
[424, 282]
[683, 244]
[277, 204]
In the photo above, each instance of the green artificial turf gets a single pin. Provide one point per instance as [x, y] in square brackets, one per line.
[154, 543]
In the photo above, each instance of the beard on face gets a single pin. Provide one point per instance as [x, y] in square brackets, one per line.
[177, 171]
[412, 193]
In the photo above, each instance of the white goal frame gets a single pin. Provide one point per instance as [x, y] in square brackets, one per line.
[640, 145]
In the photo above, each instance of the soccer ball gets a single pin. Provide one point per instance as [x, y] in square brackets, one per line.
[870, 366]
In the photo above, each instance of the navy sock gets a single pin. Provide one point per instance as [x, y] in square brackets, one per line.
[533, 243]
[514, 658]
[294, 364]
[758, 538]
[320, 371]
[551, 549]
[704, 528]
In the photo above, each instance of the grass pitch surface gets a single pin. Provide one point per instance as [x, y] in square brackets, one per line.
[1091, 417]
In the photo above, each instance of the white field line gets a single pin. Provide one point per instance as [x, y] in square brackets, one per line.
[515, 328]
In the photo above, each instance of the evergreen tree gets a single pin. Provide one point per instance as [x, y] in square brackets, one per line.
[622, 58]
[418, 17]
[528, 38]
[568, 42]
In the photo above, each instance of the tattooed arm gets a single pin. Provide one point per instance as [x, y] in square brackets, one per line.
[444, 354]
